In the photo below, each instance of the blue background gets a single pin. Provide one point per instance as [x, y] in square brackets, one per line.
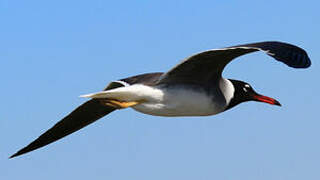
[53, 51]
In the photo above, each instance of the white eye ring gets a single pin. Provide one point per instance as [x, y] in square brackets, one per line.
[245, 89]
[247, 85]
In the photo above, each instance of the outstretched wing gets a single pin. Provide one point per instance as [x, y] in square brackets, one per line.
[82, 116]
[208, 65]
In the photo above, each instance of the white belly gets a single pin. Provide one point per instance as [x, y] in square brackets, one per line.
[180, 101]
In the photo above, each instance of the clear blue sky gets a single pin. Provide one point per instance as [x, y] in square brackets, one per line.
[54, 51]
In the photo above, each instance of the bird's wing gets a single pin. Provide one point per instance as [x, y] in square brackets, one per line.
[208, 65]
[82, 116]
[146, 79]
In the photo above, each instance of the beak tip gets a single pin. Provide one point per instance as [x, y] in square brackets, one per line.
[277, 103]
[266, 99]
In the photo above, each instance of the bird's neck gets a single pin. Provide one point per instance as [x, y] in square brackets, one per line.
[227, 89]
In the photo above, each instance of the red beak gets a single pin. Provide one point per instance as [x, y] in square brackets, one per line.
[266, 99]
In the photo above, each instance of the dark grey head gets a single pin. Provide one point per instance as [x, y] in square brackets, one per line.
[244, 92]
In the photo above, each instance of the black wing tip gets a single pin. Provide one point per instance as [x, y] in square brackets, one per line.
[24, 150]
[290, 54]
[16, 154]
[299, 57]
[307, 62]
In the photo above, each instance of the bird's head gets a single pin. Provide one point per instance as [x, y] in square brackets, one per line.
[244, 92]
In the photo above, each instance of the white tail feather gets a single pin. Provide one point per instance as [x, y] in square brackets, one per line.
[94, 95]
[128, 93]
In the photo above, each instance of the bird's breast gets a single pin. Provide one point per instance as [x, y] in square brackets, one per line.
[183, 101]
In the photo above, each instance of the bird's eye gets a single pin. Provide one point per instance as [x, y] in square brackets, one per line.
[247, 86]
